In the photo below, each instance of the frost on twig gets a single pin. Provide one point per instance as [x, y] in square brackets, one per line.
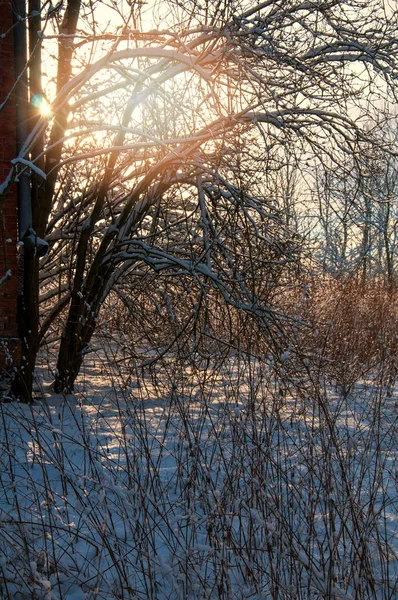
[30, 164]
[7, 275]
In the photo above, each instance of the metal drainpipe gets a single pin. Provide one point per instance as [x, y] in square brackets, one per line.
[26, 232]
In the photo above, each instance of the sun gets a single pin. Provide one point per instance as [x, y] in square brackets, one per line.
[45, 108]
[42, 104]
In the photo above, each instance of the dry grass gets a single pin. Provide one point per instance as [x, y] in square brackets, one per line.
[355, 330]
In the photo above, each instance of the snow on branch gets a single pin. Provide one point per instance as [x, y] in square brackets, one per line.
[6, 183]
[159, 260]
[28, 163]
[7, 275]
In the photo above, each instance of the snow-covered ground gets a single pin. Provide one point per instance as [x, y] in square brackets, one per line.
[200, 483]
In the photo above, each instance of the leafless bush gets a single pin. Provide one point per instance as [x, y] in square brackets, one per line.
[209, 478]
[354, 330]
[194, 462]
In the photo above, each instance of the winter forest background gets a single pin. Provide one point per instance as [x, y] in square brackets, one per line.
[207, 403]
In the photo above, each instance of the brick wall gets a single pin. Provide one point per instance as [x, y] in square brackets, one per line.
[9, 343]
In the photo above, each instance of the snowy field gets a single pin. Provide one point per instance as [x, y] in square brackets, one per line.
[199, 483]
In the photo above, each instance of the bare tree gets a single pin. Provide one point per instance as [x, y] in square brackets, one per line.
[164, 129]
[357, 212]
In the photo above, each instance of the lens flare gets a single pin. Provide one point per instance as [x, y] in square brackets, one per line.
[42, 104]
[45, 108]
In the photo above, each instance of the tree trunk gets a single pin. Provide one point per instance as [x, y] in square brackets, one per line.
[366, 242]
[75, 340]
[36, 197]
[28, 293]
[70, 358]
[387, 243]
[28, 326]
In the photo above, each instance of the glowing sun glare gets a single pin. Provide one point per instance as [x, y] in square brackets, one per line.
[42, 105]
[45, 108]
